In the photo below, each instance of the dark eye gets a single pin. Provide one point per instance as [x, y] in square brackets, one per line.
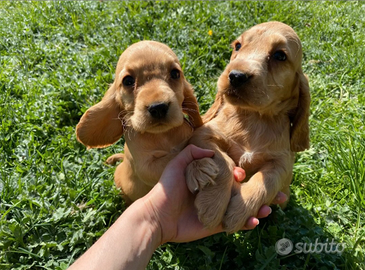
[128, 80]
[175, 74]
[279, 55]
[237, 46]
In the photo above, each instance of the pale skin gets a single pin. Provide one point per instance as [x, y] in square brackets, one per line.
[165, 214]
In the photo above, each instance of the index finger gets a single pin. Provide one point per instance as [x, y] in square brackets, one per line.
[188, 154]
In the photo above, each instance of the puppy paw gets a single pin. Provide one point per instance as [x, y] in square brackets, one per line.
[201, 173]
[211, 204]
[242, 206]
[112, 160]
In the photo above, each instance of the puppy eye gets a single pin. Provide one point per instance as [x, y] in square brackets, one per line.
[237, 46]
[175, 74]
[128, 80]
[280, 56]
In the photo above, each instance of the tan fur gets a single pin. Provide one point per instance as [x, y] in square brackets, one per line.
[150, 143]
[257, 125]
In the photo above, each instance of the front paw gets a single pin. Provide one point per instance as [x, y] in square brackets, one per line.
[112, 160]
[242, 206]
[201, 173]
[211, 204]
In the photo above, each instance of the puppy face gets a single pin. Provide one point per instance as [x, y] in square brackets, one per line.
[264, 68]
[150, 85]
[149, 94]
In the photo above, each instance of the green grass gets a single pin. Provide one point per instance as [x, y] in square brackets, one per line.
[57, 59]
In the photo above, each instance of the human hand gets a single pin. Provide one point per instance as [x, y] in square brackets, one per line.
[166, 214]
[171, 204]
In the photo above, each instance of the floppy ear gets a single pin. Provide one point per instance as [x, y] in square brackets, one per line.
[299, 133]
[214, 109]
[100, 125]
[190, 106]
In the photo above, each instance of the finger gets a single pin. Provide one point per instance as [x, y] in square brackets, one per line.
[188, 154]
[198, 152]
[251, 223]
[239, 174]
[280, 198]
[264, 211]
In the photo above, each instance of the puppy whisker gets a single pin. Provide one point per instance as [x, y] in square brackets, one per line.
[127, 125]
[276, 85]
[188, 103]
[190, 110]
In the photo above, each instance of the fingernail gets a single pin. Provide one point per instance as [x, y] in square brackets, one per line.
[280, 197]
[239, 176]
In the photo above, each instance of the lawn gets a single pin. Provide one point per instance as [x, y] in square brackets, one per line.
[57, 59]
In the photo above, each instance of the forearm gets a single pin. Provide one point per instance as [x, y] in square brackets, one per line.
[128, 244]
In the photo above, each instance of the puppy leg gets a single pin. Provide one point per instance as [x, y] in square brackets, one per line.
[112, 160]
[244, 203]
[132, 188]
[213, 177]
[261, 189]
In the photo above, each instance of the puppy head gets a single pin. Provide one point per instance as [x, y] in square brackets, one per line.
[263, 67]
[265, 75]
[149, 94]
[151, 87]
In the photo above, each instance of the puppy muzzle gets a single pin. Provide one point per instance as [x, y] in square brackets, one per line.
[158, 110]
[238, 78]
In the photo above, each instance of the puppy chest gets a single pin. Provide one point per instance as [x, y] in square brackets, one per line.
[247, 158]
[250, 161]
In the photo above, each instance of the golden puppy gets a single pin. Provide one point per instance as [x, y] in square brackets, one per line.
[153, 105]
[258, 120]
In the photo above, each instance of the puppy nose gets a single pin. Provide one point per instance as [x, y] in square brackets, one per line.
[238, 78]
[158, 110]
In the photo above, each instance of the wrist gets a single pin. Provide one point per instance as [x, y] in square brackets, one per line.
[147, 222]
[128, 244]
[140, 236]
